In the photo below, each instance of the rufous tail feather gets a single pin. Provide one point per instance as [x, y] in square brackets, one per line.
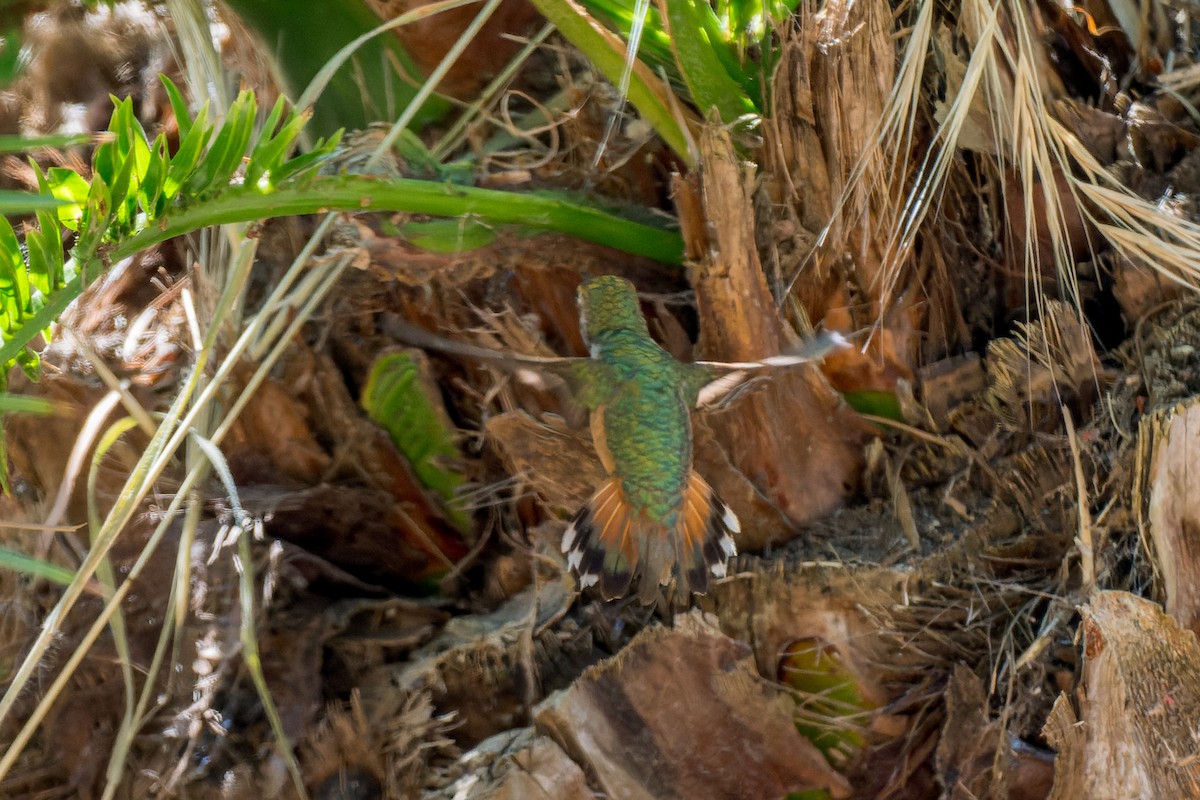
[703, 537]
[610, 546]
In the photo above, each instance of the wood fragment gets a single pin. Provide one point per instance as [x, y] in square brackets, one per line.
[683, 713]
[1135, 734]
[1174, 508]
[517, 764]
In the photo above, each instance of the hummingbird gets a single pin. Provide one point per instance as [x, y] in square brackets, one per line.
[653, 518]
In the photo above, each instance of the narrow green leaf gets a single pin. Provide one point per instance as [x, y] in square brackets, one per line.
[69, 187]
[709, 84]
[150, 192]
[224, 155]
[51, 233]
[242, 125]
[271, 149]
[131, 139]
[191, 148]
[94, 221]
[24, 404]
[15, 561]
[123, 199]
[306, 162]
[731, 36]
[104, 161]
[17, 203]
[263, 152]
[46, 257]
[41, 263]
[57, 141]
[179, 107]
[654, 47]
[14, 281]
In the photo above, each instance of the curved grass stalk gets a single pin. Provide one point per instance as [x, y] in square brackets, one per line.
[406, 117]
[321, 80]
[244, 564]
[16, 561]
[117, 625]
[311, 43]
[371, 193]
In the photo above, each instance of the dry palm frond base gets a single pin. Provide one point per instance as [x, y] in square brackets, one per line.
[989, 581]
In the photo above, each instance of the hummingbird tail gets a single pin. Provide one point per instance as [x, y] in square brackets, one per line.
[602, 543]
[703, 536]
[608, 544]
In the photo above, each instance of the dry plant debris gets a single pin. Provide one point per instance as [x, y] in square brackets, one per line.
[671, 715]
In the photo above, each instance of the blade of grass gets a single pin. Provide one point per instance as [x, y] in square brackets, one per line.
[28, 565]
[18, 203]
[244, 564]
[647, 92]
[107, 577]
[24, 404]
[407, 116]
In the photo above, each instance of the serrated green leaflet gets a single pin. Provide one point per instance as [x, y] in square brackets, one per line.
[401, 402]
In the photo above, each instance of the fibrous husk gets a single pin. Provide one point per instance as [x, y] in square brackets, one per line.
[837, 167]
[902, 631]
[977, 758]
[489, 668]
[349, 754]
[1133, 734]
[798, 419]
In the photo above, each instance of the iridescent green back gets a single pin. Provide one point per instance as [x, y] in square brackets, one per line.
[647, 418]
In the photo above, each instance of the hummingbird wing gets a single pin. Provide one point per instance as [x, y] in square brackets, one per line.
[738, 373]
[577, 372]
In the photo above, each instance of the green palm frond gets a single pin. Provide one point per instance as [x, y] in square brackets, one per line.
[141, 194]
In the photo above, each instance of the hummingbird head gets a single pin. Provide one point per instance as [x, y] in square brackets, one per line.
[608, 304]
